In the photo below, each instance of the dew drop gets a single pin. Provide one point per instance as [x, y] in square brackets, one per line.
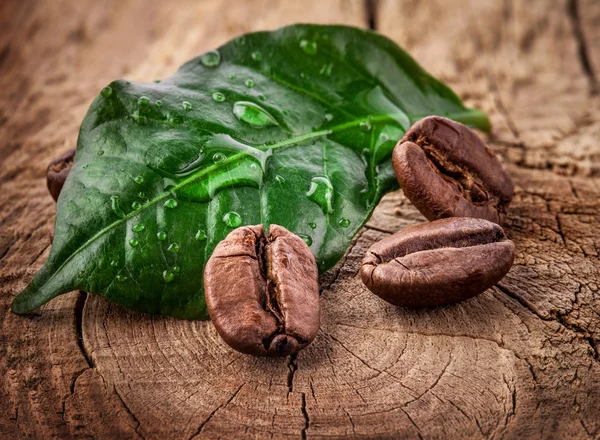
[211, 58]
[138, 179]
[186, 106]
[249, 83]
[218, 97]
[114, 263]
[256, 56]
[328, 117]
[312, 225]
[219, 158]
[136, 206]
[114, 204]
[326, 69]
[262, 97]
[106, 91]
[176, 269]
[303, 75]
[307, 239]
[309, 47]
[279, 179]
[232, 76]
[142, 195]
[384, 137]
[86, 166]
[321, 192]
[344, 222]
[232, 219]
[242, 41]
[121, 277]
[365, 126]
[171, 203]
[173, 247]
[143, 100]
[100, 153]
[286, 113]
[138, 228]
[161, 235]
[133, 242]
[158, 103]
[200, 235]
[168, 276]
[252, 114]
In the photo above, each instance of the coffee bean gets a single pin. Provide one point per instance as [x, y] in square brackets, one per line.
[262, 291]
[57, 173]
[446, 170]
[437, 263]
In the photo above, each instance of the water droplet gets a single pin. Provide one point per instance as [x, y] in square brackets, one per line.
[143, 100]
[219, 158]
[249, 83]
[142, 195]
[114, 204]
[242, 41]
[262, 97]
[168, 276]
[100, 153]
[121, 277]
[309, 47]
[133, 242]
[186, 106]
[344, 222]
[138, 179]
[307, 239]
[326, 69]
[232, 219]
[211, 59]
[232, 76]
[173, 118]
[176, 269]
[303, 75]
[321, 192]
[312, 225]
[161, 235]
[106, 91]
[218, 97]
[253, 114]
[328, 117]
[86, 166]
[136, 205]
[138, 228]
[279, 179]
[384, 137]
[158, 103]
[114, 263]
[285, 113]
[365, 126]
[171, 203]
[173, 247]
[140, 119]
[200, 235]
[256, 56]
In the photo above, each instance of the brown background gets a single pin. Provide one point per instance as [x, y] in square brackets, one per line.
[521, 360]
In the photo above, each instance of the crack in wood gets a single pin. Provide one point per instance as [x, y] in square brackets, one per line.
[371, 9]
[582, 46]
[217, 409]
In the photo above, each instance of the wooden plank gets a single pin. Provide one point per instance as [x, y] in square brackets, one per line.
[520, 361]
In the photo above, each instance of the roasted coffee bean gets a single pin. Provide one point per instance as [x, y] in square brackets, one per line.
[57, 173]
[437, 263]
[446, 170]
[262, 291]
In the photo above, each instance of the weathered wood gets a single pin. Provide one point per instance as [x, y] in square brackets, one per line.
[520, 361]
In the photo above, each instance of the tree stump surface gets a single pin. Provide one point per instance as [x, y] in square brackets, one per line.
[519, 361]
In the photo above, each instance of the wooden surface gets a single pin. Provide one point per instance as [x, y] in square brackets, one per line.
[520, 361]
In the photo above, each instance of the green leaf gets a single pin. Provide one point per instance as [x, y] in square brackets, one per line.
[293, 127]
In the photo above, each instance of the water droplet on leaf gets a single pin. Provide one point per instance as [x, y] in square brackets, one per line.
[171, 203]
[249, 83]
[232, 76]
[344, 222]
[232, 219]
[328, 117]
[218, 97]
[133, 242]
[256, 56]
[158, 103]
[168, 276]
[106, 91]
[136, 205]
[253, 114]
[365, 126]
[186, 106]
[161, 235]
[211, 59]
[100, 153]
[321, 192]
[307, 239]
[326, 69]
[279, 179]
[219, 158]
[262, 97]
[138, 228]
[121, 277]
[309, 47]
[312, 225]
[114, 263]
[200, 235]
[173, 247]
[138, 179]
[114, 204]
[143, 100]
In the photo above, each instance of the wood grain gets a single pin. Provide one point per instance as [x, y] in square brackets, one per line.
[520, 361]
